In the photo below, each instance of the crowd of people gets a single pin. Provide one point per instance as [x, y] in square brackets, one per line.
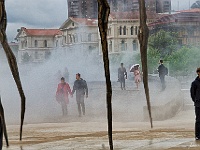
[80, 88]
[135, 69]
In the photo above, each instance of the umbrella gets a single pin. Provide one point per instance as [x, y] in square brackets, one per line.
[133, 67]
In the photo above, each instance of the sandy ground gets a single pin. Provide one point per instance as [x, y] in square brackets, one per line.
[174, 134]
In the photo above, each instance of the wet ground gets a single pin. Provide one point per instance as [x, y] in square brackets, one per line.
[89, 132]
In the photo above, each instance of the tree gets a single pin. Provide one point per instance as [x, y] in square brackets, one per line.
[184, 61]
[143, 39]
[13, 67]
[164, 41]
[103, 14]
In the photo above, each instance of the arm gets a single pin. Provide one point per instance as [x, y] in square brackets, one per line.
[193, 91]
[74, 88]
[86, 89]
[69, 90]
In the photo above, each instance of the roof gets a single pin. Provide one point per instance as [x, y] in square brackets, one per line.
[41, 32]
[191, 15]
[132, 15]
[85, 21]
[80, 21]
[194, 10]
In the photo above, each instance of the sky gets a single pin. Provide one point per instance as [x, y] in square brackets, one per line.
[48, 13]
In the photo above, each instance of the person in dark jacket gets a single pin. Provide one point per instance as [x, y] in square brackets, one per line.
[195, 95]
[80, 86]
[162, 73]
[122, 75]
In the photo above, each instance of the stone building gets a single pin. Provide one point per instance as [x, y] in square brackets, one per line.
[123, 30]
[35, 45]
[186, 23]
[79, 33]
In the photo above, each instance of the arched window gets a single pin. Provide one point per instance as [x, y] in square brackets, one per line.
[136, 30]
[123, 45]
[45, 43]
[25, 43]
[56, 43]
[36, 43]
[124, 30]
[120, 30]
[132, 30]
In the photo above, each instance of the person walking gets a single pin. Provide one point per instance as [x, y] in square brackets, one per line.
[137, 75]
[66, 74]
[81, 89]
[195, 95]
[122, 75]
[63, 90]
[163, 71]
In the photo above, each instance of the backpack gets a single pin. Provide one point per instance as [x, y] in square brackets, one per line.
[165, 70]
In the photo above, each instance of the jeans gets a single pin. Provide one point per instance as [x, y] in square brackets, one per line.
[64, 107]
[80, 104]
[197, 123]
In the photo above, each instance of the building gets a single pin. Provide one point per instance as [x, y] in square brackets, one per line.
[159, 6]
[83, 9]
[123, 31]
[80, 34]
[186, 23]
[89, 8]
[35, 45]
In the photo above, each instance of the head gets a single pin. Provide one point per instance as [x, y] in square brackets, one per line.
[198, 71]
[122, 64]
[62, 80]
[78, 76]
[161, 61]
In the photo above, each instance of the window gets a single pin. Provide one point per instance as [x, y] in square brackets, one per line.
[136, 30]
[110, 46]
[36, 43]
[56, 43]
[89, 37]
[132, 30]
[120, 30]
[124, 30]
[72, 23]
[36, 55]
[135, 45]
[25, 43]
[45, 43]
[123, 45]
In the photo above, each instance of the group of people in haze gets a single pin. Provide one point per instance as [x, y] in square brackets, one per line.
[122, 74]
[64, 90]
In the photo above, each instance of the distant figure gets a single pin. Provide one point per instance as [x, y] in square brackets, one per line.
[163, 71]
[122, 75]
[58, 76]
[195, 95]
[80, 86]
[137, 75]
[66, 75]
[63, 90]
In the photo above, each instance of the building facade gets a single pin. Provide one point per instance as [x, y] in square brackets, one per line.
[35, 45]
[89, 8]
[123, 32]
[79, 34]
[82, 8]
[185, 23]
